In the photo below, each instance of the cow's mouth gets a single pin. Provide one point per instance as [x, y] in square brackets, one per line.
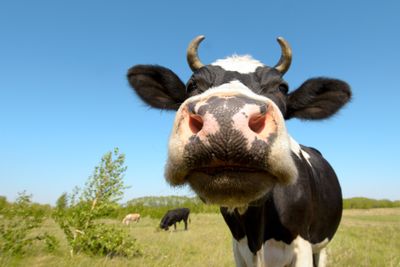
[212, 170]
[230, 185]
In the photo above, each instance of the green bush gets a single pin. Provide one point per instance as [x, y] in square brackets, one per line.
[19, 219]
[78, 213]
[104, 240]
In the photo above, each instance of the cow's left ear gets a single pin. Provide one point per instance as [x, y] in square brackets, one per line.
[317, 98]
[157, 86]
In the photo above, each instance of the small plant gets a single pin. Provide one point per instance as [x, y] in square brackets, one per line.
[78, 213]
[19, 219]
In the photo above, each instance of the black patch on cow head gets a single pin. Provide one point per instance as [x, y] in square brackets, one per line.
[317, 98]
[264, 81]
[157, 86]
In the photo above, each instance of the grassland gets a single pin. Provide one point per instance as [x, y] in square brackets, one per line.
[365, 238]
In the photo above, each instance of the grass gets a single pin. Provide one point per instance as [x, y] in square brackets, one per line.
[365, 238]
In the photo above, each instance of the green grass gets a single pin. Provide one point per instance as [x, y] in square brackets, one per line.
[365, 238]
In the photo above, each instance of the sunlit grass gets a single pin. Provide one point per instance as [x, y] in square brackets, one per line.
[365, 238]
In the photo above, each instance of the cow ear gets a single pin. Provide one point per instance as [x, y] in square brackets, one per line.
[317, 98]
[157, 86]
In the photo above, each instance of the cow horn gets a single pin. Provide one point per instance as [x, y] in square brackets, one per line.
[192, 57]
[286, 57]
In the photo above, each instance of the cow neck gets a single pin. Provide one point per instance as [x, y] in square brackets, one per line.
[258, 224]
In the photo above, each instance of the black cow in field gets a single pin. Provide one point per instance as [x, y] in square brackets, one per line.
[174, 216]
[281, 200]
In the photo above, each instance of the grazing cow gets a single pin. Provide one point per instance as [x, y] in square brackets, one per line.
[133, 217]
[281, 200]
[174, 216]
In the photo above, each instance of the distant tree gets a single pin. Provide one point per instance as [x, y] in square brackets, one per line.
[3, 203]
[367, 203]
[78, 212]
[62, 202]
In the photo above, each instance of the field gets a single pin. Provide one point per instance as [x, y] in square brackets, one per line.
[365, 238]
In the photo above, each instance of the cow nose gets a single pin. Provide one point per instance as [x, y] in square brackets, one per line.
[257, 122]
[196, 123]
[249, 117]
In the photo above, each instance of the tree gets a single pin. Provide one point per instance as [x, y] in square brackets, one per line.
[78, 212]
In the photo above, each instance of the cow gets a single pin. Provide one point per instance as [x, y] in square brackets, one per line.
[133, 217]
[281, 200]
[174, 216]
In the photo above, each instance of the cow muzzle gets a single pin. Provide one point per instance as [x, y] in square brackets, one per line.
[223, 145]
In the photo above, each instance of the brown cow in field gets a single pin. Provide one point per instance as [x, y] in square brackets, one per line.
[133, 217]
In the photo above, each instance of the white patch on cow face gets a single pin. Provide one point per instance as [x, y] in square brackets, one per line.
[242, 64]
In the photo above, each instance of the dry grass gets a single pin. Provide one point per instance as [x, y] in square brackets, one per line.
[365, 238]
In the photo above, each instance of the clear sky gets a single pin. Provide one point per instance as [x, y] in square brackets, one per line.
[65, 101]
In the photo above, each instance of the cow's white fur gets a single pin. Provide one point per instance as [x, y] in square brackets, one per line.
[296, 149]
[242, 64]
[279, 254]
[321, 261]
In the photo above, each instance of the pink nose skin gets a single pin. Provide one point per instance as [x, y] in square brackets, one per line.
[256, 122]
[196, 123]
[253, 120]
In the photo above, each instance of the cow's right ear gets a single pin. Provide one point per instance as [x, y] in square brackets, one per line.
[157, 86]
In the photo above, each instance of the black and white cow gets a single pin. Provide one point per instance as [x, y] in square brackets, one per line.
[174, 216]
[281, 200]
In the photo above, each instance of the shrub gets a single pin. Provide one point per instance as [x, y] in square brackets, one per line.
[78, 213]
[19, 219]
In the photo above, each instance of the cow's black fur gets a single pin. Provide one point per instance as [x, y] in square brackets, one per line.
[284, 213]
[317, 98]
[174, 216]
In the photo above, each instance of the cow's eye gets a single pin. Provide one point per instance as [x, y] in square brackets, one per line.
[191, 87]
[283, 88]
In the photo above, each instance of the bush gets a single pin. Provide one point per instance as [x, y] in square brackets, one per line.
[19, 219]
[103, 240]
[78, 213]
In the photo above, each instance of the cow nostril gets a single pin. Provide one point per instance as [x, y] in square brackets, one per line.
[257, 123]
[195, 123]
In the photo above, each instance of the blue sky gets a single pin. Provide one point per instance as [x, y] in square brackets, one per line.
[65, 101]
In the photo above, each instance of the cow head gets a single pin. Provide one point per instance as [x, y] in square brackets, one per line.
[229, 141]
[164, 226]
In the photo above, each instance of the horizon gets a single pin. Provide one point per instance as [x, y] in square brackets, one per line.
[196, 197]
[65, 99]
